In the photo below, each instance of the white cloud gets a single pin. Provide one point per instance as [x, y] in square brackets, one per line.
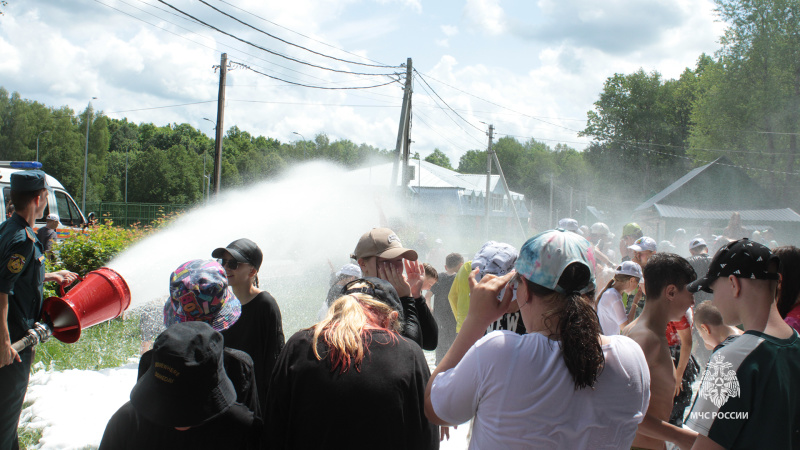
[414, 5]
[65, 54]
[487, 16]
[449, 30]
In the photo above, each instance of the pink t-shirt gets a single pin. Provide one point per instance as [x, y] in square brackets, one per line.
[793, 317]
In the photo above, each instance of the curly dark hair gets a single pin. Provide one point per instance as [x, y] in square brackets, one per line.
[576, 324]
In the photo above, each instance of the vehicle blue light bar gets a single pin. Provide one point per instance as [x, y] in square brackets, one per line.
[21, 164]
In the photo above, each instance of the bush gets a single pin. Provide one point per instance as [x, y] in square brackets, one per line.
[86, 252]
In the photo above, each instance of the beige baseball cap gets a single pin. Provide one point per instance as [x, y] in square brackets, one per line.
[383, 243]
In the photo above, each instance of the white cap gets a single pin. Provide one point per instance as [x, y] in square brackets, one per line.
[697, 242]
[629, 268]
[666, 246]
[53, 217]
[644, 244]
[496, 258]
[350, 270]
[600, 228]
[568, 224]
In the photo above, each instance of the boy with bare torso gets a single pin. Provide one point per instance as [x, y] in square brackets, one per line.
[665, 276]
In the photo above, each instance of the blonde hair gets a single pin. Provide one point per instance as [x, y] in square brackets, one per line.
[348, 326]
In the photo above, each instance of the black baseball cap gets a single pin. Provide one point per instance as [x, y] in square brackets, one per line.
[742, 259]
[377, 288]
[243, 250]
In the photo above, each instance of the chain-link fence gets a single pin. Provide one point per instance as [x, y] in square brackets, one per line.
[126, 214]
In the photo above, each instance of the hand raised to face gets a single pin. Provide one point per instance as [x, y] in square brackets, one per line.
[483, 304]
[389, 272]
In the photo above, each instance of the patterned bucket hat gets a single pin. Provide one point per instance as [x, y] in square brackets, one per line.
[544, 257]
[199, 291]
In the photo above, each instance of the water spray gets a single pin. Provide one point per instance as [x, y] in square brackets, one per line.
[102, 295]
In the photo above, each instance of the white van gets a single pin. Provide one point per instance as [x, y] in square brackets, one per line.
[58, 200]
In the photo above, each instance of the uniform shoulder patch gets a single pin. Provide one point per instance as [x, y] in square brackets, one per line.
[16, 263]
[30, 234]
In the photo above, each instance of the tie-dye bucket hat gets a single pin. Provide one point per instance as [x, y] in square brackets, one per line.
[198, 291]
[544, 257]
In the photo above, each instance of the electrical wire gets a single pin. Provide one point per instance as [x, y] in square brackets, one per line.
[538, 138]
[303, 35]
[160, 107]
[452, 119]
[448, 106]
[501, 106]
[312, 104]
[245, 41]
[195, 42]
[291, 43]
[419, 115]
[319, 87]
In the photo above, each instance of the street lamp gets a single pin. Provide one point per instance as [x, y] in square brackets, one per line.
[304, 143]
[127, 147]
[86, 153]
[207, 189]
[37, 143]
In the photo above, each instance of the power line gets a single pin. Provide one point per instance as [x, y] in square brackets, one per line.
[266, 49]
[419, 115]
[709, 162]
[539, 139]
[201, 44]
[160, 107]
[453, 120]
[303, 35]
[501, 106]
[318, 87]
[448, 106]
[314, 104]
[291, 43]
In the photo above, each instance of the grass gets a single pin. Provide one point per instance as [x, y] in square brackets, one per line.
[109, 344]
[29, 437]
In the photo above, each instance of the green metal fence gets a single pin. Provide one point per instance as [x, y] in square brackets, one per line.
[126, 214]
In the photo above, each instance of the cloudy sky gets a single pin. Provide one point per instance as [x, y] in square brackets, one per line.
[533, 69]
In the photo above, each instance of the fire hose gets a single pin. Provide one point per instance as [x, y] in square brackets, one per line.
[40, 332]
[102, 295]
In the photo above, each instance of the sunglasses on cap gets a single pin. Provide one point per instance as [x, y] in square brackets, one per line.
[229, 263]
[369, 289]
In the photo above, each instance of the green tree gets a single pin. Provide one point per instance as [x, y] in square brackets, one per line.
[473, 161]
[750, 100]
[439, 158]
[640, 126]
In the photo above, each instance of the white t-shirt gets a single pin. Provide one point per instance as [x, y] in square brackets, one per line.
[611, 312]
[521, 394]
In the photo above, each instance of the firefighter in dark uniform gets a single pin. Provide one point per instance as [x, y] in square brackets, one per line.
[22, 274]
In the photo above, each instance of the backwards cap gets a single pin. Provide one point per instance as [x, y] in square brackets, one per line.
[496, 258]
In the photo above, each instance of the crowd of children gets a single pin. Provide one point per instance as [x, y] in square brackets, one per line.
[527, 349]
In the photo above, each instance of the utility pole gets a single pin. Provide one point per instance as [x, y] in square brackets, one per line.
[402, 132]
[550, 223]
[223, 73]
[86, 154]
[570, 202]
[488, 182]
[505, 186]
